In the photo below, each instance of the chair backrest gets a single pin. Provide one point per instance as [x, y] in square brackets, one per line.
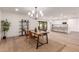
[30, 34]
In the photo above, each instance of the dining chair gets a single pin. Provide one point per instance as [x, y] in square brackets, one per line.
[32, 37]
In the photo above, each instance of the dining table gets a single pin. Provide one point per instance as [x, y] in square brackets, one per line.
[40, 34]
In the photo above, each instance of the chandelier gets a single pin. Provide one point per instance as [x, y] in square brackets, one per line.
[35, 14]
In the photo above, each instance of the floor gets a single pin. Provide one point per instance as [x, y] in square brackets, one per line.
[22, 44]
[57, 42]
[71, 40]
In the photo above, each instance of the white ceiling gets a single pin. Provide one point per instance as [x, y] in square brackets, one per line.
[48, 11]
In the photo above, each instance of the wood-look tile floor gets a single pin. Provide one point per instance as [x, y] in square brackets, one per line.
[57, 42]
[71, 40]
[22, 44]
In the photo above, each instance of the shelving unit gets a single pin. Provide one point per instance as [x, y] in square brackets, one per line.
[24, 25]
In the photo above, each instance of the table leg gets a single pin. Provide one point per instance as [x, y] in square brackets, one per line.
[37, 42]
[46, 38]
[41, 43]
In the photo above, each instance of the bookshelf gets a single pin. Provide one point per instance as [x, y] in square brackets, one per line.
[24, 25]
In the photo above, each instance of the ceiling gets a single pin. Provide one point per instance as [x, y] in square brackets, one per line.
[47, 11]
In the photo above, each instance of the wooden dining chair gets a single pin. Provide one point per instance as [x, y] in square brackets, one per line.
[32, 37]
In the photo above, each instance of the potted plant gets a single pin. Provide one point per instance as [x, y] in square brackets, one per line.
[5, 27]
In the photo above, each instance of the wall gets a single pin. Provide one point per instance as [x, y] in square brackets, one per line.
[77, 25]
[0, 25]
[14, 19]
[70, 25]
[74, 24]
[59, 22]
[33, 24]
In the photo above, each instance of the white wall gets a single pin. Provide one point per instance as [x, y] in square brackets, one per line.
[58, 21]
[33, 24]
[70, 25]
[0, 25]
[77, 25]
[14, 19]
[74, 25]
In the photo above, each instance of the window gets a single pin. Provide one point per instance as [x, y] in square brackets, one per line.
[42, 25]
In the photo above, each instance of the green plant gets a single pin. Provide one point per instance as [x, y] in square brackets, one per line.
[5, 26]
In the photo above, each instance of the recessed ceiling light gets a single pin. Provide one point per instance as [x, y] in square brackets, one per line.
[33, 11]
[16, 9]
[29, 13]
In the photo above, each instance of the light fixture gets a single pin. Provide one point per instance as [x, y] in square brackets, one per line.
[29, 13]
[16, 9]
[35, 13]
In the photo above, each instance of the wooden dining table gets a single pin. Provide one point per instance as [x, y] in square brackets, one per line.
[38, 34]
